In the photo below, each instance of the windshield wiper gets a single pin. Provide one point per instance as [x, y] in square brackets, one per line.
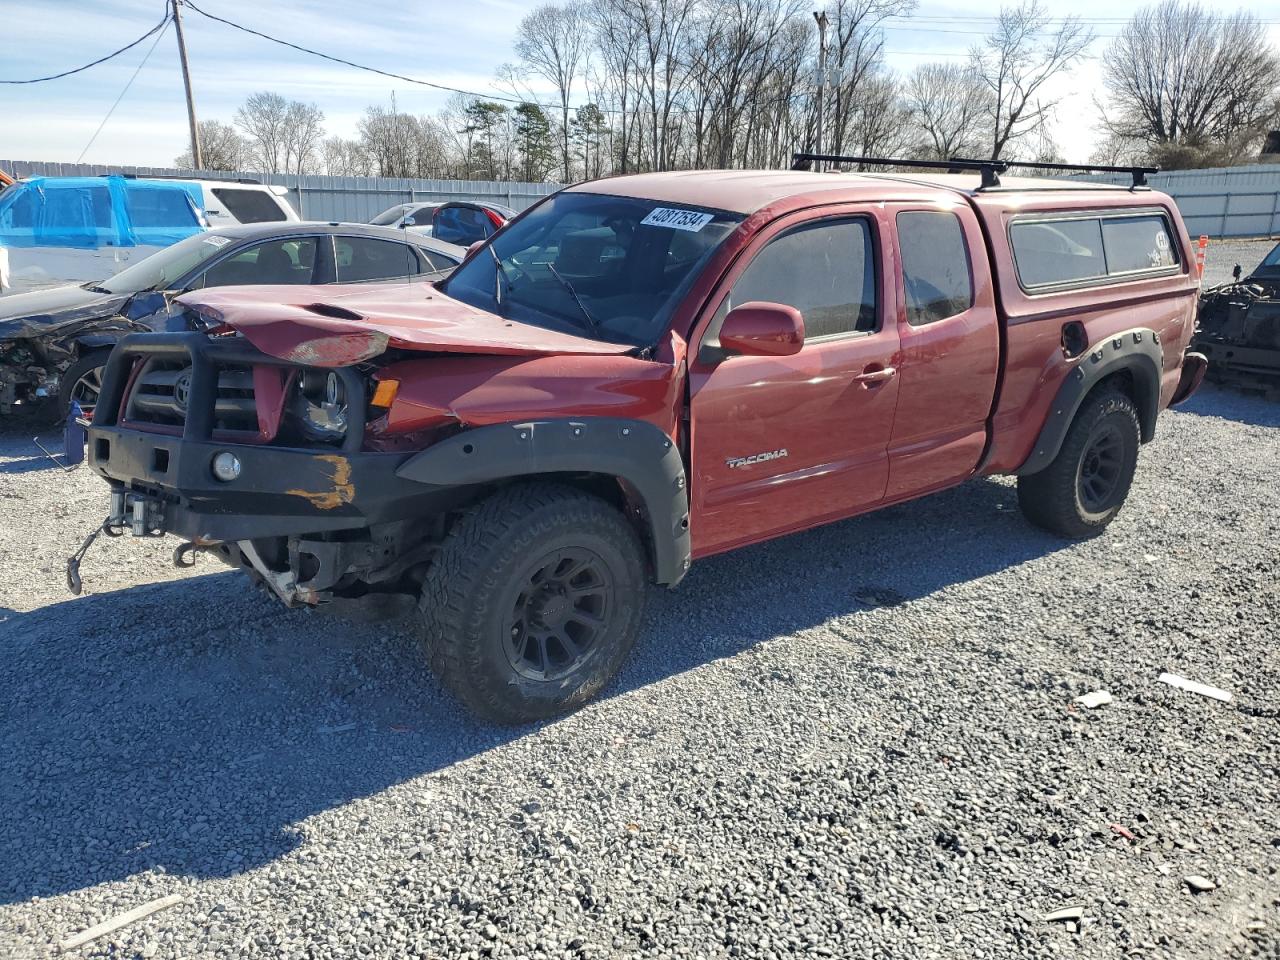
[591, 321]
[498, 275]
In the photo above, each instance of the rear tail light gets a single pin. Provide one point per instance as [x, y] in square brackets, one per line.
[494, 218]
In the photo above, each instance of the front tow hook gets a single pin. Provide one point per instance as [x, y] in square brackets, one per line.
[184, 554]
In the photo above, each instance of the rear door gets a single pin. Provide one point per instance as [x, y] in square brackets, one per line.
[949, 355]
[784, 443]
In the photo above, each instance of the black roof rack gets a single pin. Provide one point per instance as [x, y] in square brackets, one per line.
[989, 169]
[1139, 174]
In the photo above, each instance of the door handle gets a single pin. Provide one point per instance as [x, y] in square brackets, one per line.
[869, 377]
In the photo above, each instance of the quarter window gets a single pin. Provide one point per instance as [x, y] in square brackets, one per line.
[935, 266]
[824, 270]
[250, 206]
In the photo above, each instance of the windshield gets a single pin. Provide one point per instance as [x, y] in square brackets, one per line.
[387, 217]
[1271, 262]
[161, 269]
[608, 267]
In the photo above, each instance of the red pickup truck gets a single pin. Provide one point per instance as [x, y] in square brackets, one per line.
[642, 371]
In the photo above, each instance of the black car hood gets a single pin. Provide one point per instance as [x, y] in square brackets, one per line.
[65, 310]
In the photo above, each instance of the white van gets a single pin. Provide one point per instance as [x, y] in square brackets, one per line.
[73, 229]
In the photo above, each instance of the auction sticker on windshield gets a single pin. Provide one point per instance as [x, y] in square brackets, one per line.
[217, 241]
[691, 220]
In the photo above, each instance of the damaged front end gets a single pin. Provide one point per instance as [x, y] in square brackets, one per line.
[257, 460]
[1239, 333]
[38, 348]
[29, 373]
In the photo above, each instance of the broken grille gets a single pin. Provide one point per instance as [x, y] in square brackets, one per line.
[162, 391]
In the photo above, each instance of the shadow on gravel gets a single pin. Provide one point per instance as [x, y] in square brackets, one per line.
[190, 726]
[28, 465]
[1212, 400]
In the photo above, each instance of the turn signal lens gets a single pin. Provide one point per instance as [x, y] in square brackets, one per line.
[385, 393]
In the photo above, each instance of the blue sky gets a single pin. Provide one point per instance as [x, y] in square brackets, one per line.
[456, 43]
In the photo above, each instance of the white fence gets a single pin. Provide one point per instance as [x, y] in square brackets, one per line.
[1223, 202]
[345, 199]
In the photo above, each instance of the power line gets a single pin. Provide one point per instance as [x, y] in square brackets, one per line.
[67, 73]
[154, 44]
[349, 63]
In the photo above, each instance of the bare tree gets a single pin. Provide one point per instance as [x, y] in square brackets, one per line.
[1016, 61]
[554, 42]
[946, 103]
[344, 158]
[856, 53]
[396, 144]
[1183, 80]
[221, 148]
[262, 117]
[303, 136]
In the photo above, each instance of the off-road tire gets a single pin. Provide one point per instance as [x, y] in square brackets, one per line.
[1055, 499]
[94, 359]
[476, 579]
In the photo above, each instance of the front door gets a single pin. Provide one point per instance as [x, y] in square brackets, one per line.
[779, 444]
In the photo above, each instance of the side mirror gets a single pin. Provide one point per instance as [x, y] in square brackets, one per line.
[474, 247]
[759, 329]
[408, 222]
[1236, 272]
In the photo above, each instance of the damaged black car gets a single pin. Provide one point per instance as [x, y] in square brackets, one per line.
[1239, 328]
[54, 343]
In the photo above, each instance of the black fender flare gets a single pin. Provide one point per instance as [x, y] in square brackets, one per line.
[633, 451]
[1139, 352]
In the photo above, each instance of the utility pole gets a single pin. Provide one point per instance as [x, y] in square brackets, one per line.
[197, 158]
[821, 17]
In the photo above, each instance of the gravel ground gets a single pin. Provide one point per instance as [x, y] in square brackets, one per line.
[858, 741]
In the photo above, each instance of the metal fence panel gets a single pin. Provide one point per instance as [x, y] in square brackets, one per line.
[317, 197]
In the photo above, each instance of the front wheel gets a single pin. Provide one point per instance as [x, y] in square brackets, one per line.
[533, 601]
[82, 382]
[1082, 490]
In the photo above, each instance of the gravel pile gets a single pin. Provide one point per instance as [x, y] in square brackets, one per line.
[856, 742]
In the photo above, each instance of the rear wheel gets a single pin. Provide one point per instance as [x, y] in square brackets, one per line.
[1082, 490]
[533, 601]
[82, 383]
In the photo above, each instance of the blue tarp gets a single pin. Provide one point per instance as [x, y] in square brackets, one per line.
[92, 212]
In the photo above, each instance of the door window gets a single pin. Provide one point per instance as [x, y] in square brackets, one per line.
[364, 258]
[825, 270]
[290, 261]
[935, 265]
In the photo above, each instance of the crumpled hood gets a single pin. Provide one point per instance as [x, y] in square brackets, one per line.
[41, 312]
[338, 325]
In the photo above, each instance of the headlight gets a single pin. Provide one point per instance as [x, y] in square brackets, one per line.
[226, 466]
[334, 394]
[319, 406]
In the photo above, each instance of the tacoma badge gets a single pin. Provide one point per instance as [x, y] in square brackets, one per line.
[736, 462]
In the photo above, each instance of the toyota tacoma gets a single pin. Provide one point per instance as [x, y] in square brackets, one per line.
[644, 371]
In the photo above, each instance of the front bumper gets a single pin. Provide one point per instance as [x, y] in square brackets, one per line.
[279, 492]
